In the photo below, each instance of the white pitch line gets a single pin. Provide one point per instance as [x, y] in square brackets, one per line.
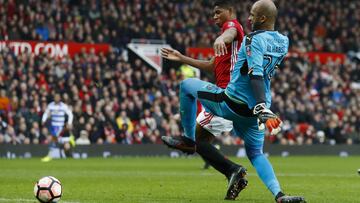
[312, 175]
[16, 200]
[125, 173]
[26, 200]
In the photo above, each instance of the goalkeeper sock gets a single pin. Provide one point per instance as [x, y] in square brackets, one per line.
[213, 156]
[266, 173]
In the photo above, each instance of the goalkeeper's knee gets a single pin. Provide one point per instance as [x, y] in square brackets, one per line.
[252, 152]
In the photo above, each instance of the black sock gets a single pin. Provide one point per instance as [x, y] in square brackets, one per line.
[68, 153]
[213, 156]
[206, 163]
[188, 141]
[280, 194]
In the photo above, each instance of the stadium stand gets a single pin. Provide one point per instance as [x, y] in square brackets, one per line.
[116, 100]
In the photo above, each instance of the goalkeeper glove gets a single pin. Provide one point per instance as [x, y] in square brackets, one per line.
[267, 118]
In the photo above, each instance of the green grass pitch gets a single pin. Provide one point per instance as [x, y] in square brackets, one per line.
[146, 180]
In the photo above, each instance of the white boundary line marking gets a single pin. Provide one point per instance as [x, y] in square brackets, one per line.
[343, 175]
[26, 200]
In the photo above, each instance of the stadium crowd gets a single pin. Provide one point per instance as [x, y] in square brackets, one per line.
[115, 100]
[319, 25]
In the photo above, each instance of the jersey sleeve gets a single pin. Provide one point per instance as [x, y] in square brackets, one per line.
[254, 55]
[46, 114]
[228, 25]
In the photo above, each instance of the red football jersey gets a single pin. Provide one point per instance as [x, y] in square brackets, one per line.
[225, 64]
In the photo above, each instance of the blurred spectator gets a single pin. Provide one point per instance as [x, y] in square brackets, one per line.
[124, 123]
[4, 101]
[83, 139]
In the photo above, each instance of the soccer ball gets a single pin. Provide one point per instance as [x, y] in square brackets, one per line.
[48, 189]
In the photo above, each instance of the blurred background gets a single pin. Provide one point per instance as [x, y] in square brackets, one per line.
[103, 57]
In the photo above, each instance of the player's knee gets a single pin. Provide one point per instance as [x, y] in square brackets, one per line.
[252, 152]
[186, 84]
[67, 146]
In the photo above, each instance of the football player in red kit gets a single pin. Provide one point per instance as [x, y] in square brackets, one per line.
[208, 125]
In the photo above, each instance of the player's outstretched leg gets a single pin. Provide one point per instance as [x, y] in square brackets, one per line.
[267, 175]
[237, 183]
[188, 96]
[282, 198]
[181, 143]
[211, 154]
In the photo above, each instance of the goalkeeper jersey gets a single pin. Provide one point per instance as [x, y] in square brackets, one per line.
[260, 54]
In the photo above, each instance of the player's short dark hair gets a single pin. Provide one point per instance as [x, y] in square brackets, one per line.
[224, 3]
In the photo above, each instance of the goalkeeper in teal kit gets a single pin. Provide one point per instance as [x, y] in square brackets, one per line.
[247, 98]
